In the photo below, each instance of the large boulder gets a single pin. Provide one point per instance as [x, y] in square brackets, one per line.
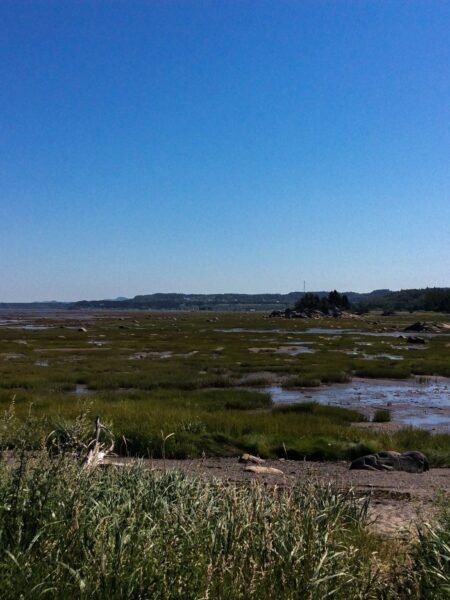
[423, 326]
[369, 462]
[414, 462]
[411, 462]
[415, 340]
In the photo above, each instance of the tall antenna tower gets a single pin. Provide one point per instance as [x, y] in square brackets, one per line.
[304, 286]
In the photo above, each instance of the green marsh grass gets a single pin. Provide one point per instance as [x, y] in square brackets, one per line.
[382, 415]
[194, 390]
[223, 423]
[336, 413]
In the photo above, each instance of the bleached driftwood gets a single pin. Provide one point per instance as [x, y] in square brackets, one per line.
[249, 458]
[263, 470]
[97, 451]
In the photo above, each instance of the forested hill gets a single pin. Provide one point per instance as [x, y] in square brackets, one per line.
[215, 301]
[437, 299]
[434, 299]
[197, 302]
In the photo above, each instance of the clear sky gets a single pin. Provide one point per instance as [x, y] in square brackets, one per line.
[223, 146]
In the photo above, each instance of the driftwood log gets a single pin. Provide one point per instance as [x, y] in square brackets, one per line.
[259, 470]
[97, 451]
[249, 458]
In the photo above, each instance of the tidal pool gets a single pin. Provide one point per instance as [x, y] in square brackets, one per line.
[19, 324]
[425, 405]
[335, 331]
[81, 389]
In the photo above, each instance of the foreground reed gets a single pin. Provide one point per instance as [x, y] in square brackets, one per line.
[131, 533]
[432, 555]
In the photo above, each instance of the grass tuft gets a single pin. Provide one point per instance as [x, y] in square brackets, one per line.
[382, 415]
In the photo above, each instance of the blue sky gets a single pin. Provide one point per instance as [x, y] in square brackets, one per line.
[223, 146]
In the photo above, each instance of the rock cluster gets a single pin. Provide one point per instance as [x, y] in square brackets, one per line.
[411, 462]
[427, 327]
[308, 313]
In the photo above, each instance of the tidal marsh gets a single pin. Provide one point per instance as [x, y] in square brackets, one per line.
[190, 374]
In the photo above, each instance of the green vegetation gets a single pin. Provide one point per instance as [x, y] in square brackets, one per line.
[382, 415]
[202, 424]
[432, 555]
[196, 376]
[333, 301]
[336, 413]
[429, 299]
[131, 533]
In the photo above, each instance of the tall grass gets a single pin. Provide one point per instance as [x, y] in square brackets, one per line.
[432, 556]
[131, 533]
[217, 423]
[337, 413]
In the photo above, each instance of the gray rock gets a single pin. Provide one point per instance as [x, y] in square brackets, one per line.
[415, 340]
[411, 462]
[370, 462]
[422, 326]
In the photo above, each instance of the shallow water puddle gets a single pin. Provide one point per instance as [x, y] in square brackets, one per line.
[141, 355]
[334, 332]
[424, 405]
[369, 356]
[396, 334]
[81, 389]
[98, 343]
[19, 324]
[294, 350]
[12, 355]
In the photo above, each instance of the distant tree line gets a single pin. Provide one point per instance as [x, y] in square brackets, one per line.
[433, 299]
[333, 301]
[437, 299]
